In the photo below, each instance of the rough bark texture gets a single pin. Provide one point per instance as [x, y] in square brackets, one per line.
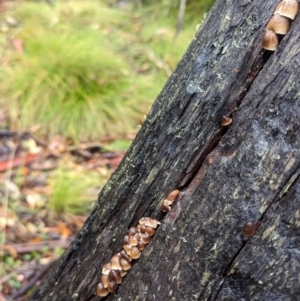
[228, 176]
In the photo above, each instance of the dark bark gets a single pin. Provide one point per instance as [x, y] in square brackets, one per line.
[228, 176]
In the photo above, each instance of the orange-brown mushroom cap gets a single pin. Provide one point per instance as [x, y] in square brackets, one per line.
[269, 41]
[165, 205]
[150, 222]
[126, 239]
[112, 287]
[101, 291]
[106, 268]
[173, 195]
[133, 240]
[104, 280]
[126, 265]
[278, 24]
[249, 228]
[115, 262]
[127, 249]
[141, 246]
[145, 238]
[141, 228]
[287, 8]
[115, 276]
[150, 231]
[135, 253]
[132, 231]
[225, 120]
[125, 256]
[123, 273]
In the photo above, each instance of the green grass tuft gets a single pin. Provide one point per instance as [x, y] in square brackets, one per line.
[70, 191]
[69, 83]
[88, 69]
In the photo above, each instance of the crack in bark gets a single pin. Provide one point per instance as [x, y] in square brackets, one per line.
[199, 170]
[202, 162]
[289, 183]
[213, 143]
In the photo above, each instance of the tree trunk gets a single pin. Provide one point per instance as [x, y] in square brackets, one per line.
[228, 176]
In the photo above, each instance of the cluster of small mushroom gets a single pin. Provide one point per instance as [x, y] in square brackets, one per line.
[280, 23]
[134, 243]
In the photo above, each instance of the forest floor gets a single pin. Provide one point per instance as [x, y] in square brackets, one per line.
[48, 189]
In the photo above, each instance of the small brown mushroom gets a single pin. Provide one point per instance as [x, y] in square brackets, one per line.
[173, 195]
[287, 8]
[133, 240]
[126, 265]
[106, 268]
[135, 253]
[115, 262]
[127, 248]
[101, 290]
[123, 273]
[125, 256]
[141, 246]
[269, 41]
[150, 222]
[145, 238]
[115, 276]
[249, 228]
[150, 231]
[104, 280]
[165, 205]
[141, 228]
[132, 231]
[112, 287]
[278, 24]
[225, 120]
[126, 239]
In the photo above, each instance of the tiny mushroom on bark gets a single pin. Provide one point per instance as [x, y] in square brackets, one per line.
[104, 280]
[126, 265]
[287, 8]
[112, 287]
[135, 253]
[269, 41]
[101, 290]
[125, 256]
[106, 268]
[278, 24]
[145, 238]
[132, 231]
[150, 222]
[141, 246]
[225, 120]
[127, 249]
[165, 205]
[126, 239]
[173, 195]
[150, 231]
[115, 276]
[115, 262]
[250, 228]
[133, 240]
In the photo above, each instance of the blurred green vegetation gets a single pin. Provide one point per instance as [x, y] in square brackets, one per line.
[69, 190]
[79, 69]
[84, 68]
